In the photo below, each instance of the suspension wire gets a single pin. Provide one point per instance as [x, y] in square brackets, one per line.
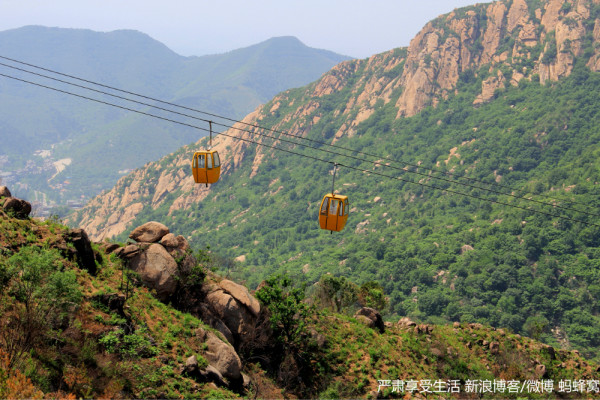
[300, 137]
[333, 183]
[307, 146]
[306, 155]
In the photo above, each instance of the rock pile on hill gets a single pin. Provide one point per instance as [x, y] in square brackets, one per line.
[153, 257]
[159, 257]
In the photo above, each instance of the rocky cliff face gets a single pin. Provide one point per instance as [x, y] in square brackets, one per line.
[499, 43]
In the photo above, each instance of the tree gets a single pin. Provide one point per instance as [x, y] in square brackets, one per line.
[286, 307]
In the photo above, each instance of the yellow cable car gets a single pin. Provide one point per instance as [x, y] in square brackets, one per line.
[206, 166]
[333, 213]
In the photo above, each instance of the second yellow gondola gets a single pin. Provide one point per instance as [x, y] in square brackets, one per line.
[333, 213]
[206, 166]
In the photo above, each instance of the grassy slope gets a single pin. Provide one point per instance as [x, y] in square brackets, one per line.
[93, 351]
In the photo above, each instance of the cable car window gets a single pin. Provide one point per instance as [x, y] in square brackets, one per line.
[333, 207]
[208, 161]
[217, 162]
[346, 207]
[201, 161]
[324, 206]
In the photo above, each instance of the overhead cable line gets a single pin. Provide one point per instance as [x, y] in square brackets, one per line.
[302, 138]
[305, 145]
[305, 155]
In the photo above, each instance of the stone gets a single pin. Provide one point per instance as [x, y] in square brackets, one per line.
[374, 316]
[157, 269]
[550, 350]
[128, 251]
[150, 232]
[110, 247]
[540, 370]
[242, 295]
[494, 347]
[222, 356]
[436, 352]
[174, 242]
[4, 192]
[191, 364]
[222, 305]
[19, 208]
[406, 322]
[114, 301]
[85, 257]
[365, 321]
[212, 374]
[208, 317]
[247, 381]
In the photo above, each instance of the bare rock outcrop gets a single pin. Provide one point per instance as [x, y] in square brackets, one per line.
[372, 315]
[85, 256]
[232, 304]
[17, 207]
[4, 192]
[222, 356]
[157, 269]
[150, 232]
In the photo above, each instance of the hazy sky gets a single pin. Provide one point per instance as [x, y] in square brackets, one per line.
[357, 28]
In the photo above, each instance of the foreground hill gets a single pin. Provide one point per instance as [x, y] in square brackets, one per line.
[75, 327]
[490, 107]
[96, 141]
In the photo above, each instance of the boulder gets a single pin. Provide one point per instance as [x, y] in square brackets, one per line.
[210, 374]
[550, 350]
[494, 347]
[208, 317]
[374, 316]
[242, 295]
[222, 356]
[85, 257]
[19, 208]
[540, 370]
[424, 328]
[4, 192]
[406, 322]
[150, 232]
[365, 321]
[128, 252]
[157, 270]
[109, 247]
[170, 241]
[236, 315]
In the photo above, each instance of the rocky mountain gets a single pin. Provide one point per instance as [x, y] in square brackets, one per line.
[58, 147]
[486, 124]
[526, 40]
[150, 320]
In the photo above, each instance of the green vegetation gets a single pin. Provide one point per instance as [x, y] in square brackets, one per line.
[70, 335]
[437, 255]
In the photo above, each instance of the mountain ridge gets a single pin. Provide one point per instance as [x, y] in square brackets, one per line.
[233, 84]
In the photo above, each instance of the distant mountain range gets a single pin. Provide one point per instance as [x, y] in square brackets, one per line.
[96, 141]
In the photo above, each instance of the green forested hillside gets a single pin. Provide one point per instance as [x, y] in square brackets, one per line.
[497, 104]
[439, 256]
[102, 142]
[72, 328]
